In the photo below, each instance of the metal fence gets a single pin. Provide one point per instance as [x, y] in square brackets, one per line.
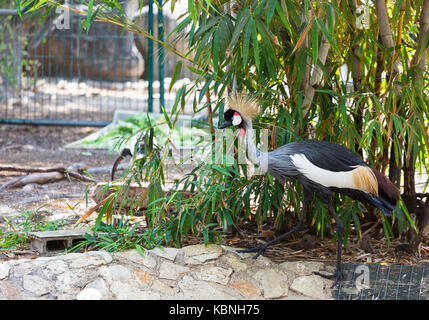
[51, 73]
[384, 282]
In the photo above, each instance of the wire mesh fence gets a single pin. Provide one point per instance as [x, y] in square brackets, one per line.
[384, 282]
[52, 73]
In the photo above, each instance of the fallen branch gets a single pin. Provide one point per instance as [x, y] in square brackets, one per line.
[30, 170]
[43, 175]
[39, 178]
[79, 166]
[11, 182]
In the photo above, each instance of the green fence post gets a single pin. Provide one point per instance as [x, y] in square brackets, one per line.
[150, 58]
[161, 57]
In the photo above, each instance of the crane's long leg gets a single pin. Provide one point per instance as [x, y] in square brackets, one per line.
[338, 273]
[262, 248]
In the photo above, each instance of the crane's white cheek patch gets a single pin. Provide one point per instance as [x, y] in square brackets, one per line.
[327, 178]
[236, 120]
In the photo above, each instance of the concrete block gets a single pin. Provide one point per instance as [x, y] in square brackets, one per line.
[59, 240]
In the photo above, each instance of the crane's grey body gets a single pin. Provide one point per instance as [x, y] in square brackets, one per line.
[321, 167]
[280, 163]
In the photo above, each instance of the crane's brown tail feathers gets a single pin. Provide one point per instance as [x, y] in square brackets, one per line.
[388, 192]
[378, 190]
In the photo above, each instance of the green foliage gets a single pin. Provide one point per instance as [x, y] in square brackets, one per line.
[14, 235]
[121, 236]
[300, 59]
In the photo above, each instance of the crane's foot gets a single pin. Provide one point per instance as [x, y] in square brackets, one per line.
[260, 250]
[337, 276]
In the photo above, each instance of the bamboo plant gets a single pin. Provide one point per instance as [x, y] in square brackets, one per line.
[349, 72]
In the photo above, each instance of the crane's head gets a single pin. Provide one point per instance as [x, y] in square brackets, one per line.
[231, 118]
[242, 107]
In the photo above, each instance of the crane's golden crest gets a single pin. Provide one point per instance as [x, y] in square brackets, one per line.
[245, 104]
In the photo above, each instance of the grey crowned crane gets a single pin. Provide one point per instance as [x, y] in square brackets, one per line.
[321, 167]
[136, 145]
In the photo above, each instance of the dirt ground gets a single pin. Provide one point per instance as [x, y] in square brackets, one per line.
[43, 146]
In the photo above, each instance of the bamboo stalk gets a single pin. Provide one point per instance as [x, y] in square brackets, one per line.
[419, 58]
[387, 41]
[316, 76]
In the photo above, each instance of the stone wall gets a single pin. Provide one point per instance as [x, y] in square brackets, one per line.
[193, 272]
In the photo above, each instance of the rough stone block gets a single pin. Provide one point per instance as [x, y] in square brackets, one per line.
[312, 286]
[214, 274]
[201, 253]
[246, 288]
[4, 270]
[273, 283]
[169, 270]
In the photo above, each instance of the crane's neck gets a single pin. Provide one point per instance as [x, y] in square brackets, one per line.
[254, 155]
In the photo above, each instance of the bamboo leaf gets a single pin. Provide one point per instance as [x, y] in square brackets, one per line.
[179, 94]
[246, 44]
[315, 43]
[255, 43]
[221, 39]
[269, 11]
[238, 29]
[140, 250]
[204, 89]
[206, 235]
[181, 26]
[166, 117]
[211, 22]
[176, 74]
[193, 11]
[396, 11]
[282, 13]
[328, 35]
[330, 20]
[222, 170]
[89, 11]
[302, 37]
[18, 7]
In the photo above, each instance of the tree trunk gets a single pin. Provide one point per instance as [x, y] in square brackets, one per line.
[357, 81]
[419, 60]
[394, 168]
[387, 41]
[409, 195]
[378, 71]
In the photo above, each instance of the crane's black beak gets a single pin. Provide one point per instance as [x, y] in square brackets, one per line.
[225, 124]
